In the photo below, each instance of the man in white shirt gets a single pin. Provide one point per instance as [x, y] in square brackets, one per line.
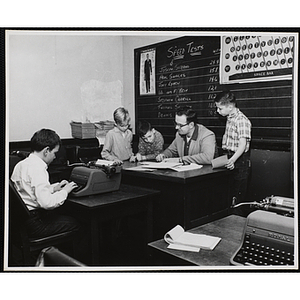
[31, 180]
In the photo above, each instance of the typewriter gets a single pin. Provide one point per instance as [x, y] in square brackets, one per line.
[268, 237]
[94, 178]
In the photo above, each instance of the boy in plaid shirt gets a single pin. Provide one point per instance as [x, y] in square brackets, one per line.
[235, 143]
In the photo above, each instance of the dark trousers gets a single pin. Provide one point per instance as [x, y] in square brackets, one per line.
[242, 168]
[44, 223]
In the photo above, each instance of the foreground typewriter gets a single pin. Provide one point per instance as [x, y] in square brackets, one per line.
[268, 237]
[96, 178]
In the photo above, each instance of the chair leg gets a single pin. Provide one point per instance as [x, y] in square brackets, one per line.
[75, 244]
[26, 255]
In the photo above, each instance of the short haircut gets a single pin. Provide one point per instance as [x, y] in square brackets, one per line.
[121, 116]
[226, 98]
[191, 115]
[44, 138]
[144, 127]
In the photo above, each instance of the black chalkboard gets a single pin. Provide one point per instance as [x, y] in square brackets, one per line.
[185, 71]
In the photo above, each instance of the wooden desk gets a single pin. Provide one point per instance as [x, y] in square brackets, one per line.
[230, 229]
[189, 198]
[127, 201]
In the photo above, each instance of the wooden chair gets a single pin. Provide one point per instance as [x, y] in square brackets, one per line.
[18, 236]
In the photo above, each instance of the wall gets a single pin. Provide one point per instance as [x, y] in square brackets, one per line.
[51, 75]
[46, 74]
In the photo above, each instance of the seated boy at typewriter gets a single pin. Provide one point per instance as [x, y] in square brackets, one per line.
[31, 179]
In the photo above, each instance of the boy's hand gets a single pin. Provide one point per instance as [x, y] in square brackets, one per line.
[160, 157]
[60, 185]
[118, 161]
[139, 157]
[133, 158]
[230, 164]
[69, 186]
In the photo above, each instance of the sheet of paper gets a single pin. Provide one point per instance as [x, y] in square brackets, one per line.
[140, 169]
[187, 167]
[172, 235]
[219, 162]
[159, 165]
[183, 248]
[103, 162]
[177, 236]
[198, 240]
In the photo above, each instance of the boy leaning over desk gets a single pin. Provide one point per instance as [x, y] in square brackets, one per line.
[151, 142]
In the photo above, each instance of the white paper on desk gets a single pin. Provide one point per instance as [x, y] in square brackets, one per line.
[160, 165]
[219, 162]
[183, 248]
[177, 235]
[140, 168]
[187, 167]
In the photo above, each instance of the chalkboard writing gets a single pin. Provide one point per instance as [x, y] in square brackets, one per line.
[186, 72]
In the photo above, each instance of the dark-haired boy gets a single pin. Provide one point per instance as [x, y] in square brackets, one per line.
[151, 142]
[235, 143]
[31, 180]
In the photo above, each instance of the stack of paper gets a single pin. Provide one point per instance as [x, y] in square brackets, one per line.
[175, 166]
[178, 239]
[103, 162]
[160, 165]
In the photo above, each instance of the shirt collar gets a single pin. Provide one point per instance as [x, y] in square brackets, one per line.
[195, 133]
[234, 114]
[116, 129]
[38, 160]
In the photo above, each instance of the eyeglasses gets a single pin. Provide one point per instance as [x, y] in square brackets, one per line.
[180, 125]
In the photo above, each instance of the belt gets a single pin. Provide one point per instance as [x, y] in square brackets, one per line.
[225, 151]
[231, 153]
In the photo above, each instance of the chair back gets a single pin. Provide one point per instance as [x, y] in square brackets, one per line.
[17, 208]
[52, 257]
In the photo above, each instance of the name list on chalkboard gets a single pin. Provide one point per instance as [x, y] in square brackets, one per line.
[186, 73]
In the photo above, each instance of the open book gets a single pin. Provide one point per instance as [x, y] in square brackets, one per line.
[177, 238]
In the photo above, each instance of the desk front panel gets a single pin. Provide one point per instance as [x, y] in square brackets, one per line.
[187, 198]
